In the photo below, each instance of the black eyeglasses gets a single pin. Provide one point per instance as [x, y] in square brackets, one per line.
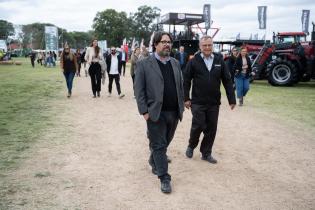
[166, 42]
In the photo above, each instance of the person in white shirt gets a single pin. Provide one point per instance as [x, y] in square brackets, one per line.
[124, 60]
[95, 60]
[114, 65]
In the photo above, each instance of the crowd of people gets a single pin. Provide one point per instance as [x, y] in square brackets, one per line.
[164, 86]
[47, 59]
[97, 64]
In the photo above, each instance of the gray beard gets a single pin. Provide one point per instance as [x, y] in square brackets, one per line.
[164, 53]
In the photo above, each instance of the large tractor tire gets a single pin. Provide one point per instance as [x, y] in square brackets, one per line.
[282, 73]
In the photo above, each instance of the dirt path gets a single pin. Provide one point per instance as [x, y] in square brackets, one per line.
[101, 162]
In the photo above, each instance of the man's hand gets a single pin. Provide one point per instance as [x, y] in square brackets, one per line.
[188, 104]
[146, 116]
[232, 106]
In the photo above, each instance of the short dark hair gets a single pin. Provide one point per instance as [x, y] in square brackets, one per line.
[158, 37]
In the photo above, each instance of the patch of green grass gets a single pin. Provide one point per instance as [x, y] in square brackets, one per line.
[26, 94]
[25, 109]
[42, 174]
[294, 105]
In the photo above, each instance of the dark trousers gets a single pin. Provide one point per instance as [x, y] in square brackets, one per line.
[205, 119]
[96, 76]
[79, 69]
[160, 135]
[110, 83]
[133, 83]
[123, 63]
[69, 75]
[33, 62]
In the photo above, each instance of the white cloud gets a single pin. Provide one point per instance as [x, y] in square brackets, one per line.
[231, 16]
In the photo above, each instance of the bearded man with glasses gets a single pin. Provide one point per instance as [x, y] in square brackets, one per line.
[159, 95]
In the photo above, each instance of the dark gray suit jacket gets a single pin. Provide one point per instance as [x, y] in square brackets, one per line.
[149, 87]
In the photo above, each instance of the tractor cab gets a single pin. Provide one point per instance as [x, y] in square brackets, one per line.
[289, 37]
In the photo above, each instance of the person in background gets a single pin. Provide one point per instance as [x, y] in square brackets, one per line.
[124, 59]
[182, 58]
[83, 61]
[243, 71]
[207, 70]
[231, 62]
[114, 65]
[32, 57]
[69, 66]
[94, 57]
[78, 56]
[144, 53]
[134, 58]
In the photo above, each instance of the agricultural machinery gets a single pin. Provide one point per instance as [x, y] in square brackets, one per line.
[286, 61]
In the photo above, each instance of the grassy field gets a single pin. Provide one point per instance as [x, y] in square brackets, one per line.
[25, 95]
[293, 105]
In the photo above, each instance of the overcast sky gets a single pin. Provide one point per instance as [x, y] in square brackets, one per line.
[231, 17]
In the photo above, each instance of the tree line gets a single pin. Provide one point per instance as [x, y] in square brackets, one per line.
[108, 24]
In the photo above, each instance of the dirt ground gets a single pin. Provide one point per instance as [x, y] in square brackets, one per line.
[97, 158]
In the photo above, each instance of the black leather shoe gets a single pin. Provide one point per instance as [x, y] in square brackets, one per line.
[209, 158]
[166, 186]
[98, 94]
[189, 152]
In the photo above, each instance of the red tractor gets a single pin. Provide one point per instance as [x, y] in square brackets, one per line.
[288, 60]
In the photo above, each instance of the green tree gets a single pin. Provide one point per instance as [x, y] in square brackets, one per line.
[143, 19]
[112, 26]
[6, 29]
[34, 35]
[81, 39]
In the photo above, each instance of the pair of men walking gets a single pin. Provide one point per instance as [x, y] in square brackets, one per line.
[162, 92]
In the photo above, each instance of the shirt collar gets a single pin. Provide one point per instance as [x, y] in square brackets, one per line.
[203, 57]
[159, 58]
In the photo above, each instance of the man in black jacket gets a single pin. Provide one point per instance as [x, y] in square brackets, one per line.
[113, 62]
[207, 70]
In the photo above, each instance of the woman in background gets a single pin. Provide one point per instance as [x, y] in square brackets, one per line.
[95, 60]
[243, 70]
[78, 56]
[69, 66]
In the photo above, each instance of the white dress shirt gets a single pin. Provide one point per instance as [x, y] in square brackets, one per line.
[114, 65]
[208, 61]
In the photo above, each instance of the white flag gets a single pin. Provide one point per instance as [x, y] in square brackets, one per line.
[151, 42]
[238, 36]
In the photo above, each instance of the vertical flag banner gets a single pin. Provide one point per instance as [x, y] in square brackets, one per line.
[103, 45]
[262, 16]
[305, 20]
[256, 37]
[151, 42]
[238, 36]
[207, 15]
[51, 38]
[133, 45]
